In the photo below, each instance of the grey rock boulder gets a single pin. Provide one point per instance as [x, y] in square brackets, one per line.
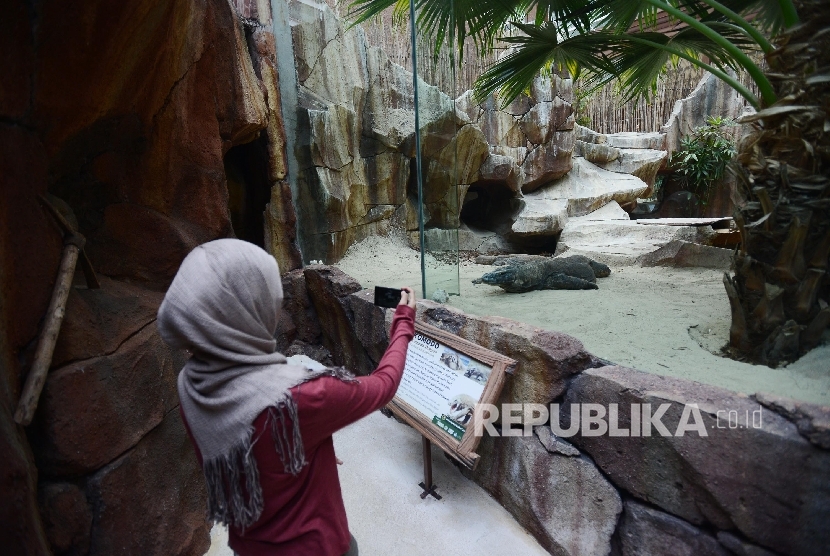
[759, 477]
[544, 118]
[623, 241]
[679, 253]
[553, 443]
[643, 163]
[564, 501]
[711, 97]
[645, 531]
[548, 161]
[587, 187]
[812, 421]
[598, 153]
[540, 217]
[503, 169]
[623, 140]
[739, 547]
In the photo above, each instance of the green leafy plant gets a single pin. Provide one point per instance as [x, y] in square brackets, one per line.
[703, 157]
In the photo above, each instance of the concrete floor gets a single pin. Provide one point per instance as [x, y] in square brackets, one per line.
[379, 477]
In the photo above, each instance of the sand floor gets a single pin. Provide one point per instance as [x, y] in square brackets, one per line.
[651, 319]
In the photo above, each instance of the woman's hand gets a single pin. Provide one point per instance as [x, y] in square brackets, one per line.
[407, 297]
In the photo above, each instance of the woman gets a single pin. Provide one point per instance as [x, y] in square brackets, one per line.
[262, 427]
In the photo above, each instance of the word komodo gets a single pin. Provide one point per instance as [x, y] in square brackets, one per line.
[562, 273]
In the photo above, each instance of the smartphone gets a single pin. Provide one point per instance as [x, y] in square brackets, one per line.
[387, 297]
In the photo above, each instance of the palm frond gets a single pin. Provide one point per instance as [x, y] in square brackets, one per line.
[540, 49]
[573, 16]
[640, 58]
[449, 22]
[620, 15]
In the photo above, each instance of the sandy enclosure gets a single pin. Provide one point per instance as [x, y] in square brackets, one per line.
[652, 319]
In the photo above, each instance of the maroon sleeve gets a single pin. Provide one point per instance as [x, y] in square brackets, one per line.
[329, 404]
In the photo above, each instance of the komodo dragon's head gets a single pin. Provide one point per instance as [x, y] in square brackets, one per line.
[502, 275]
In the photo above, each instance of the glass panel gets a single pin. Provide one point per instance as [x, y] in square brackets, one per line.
[436, 164]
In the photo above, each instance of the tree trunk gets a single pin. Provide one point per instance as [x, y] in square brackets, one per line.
[780, 289]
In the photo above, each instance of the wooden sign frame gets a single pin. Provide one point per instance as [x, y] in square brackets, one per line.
[464, 450]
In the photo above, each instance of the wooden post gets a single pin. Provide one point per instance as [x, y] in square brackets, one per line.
[427, 485]
[46, 343]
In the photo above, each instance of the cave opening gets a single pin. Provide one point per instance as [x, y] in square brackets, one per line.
[492, 206]
[489, 205]
[249, 188]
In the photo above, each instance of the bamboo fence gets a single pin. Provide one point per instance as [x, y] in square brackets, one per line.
[603, 110]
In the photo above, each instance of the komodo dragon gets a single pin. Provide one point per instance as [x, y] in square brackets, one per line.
[563, 273]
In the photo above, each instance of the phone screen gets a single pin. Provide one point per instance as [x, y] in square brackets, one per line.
[387, 297]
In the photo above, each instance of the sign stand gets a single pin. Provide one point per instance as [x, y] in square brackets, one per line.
[444, 379]
[427, 485]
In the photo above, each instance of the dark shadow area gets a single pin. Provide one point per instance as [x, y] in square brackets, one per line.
[249, 190]
[489, 205]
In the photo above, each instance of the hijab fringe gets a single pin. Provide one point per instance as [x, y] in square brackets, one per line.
[234, 490]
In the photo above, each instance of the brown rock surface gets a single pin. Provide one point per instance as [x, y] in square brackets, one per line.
[116, 252]
[93, 410]
[28, 266]
[766, 482]
[165, 177]
[648, 532]
[329, 289]
[98, 321]
[67, 518]
[125, 112]
[369, 323]
[164, 470]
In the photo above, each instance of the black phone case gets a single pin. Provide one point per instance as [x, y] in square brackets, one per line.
[387, 297]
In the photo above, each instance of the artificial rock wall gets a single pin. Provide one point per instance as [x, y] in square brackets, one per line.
[125, 115]
[757, 490]
[356, 142]
[498, 172]
[508, 177]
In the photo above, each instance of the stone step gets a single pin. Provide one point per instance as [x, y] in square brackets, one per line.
[623, 242]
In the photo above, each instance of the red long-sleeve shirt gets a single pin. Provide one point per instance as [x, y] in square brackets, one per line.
[304, 514]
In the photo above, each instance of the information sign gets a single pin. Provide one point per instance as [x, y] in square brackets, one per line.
[444, 377]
